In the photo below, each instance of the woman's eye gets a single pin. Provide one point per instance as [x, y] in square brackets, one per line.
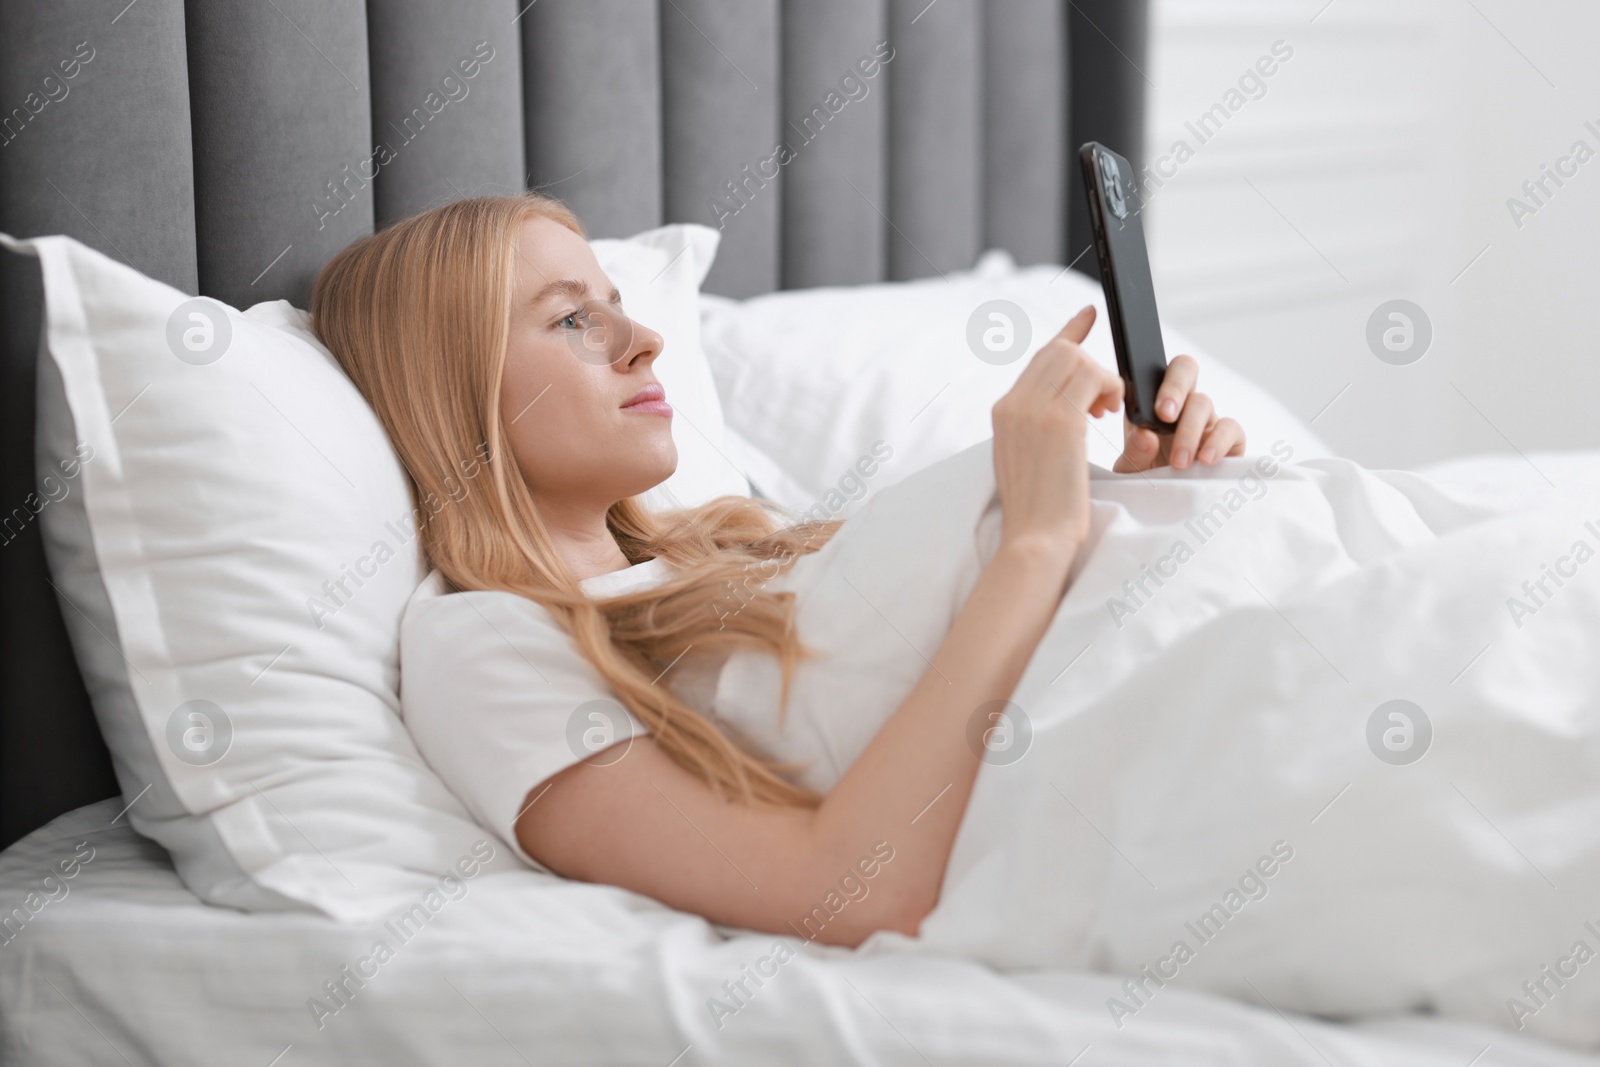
[571, 321]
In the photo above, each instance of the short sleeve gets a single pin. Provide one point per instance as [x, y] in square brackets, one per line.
[498, 698]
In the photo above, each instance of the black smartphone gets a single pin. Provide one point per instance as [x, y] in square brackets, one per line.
[1115, 210]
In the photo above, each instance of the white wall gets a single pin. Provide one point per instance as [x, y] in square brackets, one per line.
[1377, 165]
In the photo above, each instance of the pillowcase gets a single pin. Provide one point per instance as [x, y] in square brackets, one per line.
[232, 569]
[847, 390]
[659, 273]
[235, 561]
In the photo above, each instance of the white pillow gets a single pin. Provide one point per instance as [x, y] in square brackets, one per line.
[236, 563]
[848, 390]
[659, 273]
[233, 572]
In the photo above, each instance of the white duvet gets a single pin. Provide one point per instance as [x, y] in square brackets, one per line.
[1204, 783]
[120, 964]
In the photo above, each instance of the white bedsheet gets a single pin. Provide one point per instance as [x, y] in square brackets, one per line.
[129, 968]
[1204, 794]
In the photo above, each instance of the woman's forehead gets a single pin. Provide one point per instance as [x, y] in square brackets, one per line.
[552, 259]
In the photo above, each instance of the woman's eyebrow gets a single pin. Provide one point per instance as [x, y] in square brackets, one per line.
[561, 286]
[575, 289]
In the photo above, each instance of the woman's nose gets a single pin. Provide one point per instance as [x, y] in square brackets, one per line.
[643, 343]
[610, 338]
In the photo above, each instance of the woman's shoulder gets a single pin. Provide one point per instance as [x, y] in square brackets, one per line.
[448, 635]
[496, 696]
[476, 656]
[436, 601]
[444, 627]
[436, 604]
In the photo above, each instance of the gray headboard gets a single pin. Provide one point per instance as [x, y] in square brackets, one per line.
[228, 147]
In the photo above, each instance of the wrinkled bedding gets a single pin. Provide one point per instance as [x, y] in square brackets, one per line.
[120, 965]
[1312, 736]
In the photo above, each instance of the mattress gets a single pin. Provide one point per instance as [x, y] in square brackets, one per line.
[120, 964]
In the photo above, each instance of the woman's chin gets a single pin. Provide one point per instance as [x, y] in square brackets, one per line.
[658, 474]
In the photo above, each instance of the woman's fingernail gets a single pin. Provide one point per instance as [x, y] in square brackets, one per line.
[1169, 409]
[1208, 455]
[1180, 458]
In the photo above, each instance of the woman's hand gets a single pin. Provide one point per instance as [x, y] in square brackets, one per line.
[1040, 463]
[1199, 435]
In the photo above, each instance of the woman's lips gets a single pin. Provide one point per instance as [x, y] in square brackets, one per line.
[651, 400]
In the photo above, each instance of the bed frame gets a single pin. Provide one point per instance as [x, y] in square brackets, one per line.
[228, 147]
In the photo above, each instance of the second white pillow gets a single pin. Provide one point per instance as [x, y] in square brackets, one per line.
[848, 390]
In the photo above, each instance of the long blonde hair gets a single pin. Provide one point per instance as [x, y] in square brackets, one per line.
[418, 315]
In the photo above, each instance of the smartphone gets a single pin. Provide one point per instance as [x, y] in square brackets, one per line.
[1115, 210]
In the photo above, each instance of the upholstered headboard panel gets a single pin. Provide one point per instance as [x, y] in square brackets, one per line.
[229, 147]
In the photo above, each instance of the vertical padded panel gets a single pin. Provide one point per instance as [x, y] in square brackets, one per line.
[283, 156]
[106, 156]
[98, 149]
[446, 101]
[835, 189]
[721, 105]
[1107, 40]
[592, 103]
[935, 147]
[1025, 129]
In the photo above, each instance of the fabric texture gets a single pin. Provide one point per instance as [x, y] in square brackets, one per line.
[281, 132]
[936, 160]
[1229, 763]
[721, 98]
[233, 564]
[446, 97]
[836, 186]
[592, 109]
[582, 975]
[1025, 138]
[499, 698]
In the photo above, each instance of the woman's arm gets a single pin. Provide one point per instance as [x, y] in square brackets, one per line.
[881, 838]
[647, 824]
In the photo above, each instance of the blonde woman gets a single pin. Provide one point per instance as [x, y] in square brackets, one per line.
[501, 362]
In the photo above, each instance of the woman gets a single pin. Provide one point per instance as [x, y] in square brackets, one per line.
[1225, 790]
[487, 329]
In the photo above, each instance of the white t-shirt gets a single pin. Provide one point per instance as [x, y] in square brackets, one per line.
[498, 698]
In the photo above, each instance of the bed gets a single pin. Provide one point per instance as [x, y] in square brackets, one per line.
[221, 148]
[129, 967]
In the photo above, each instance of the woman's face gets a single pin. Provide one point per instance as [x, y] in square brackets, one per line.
[586, 417]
